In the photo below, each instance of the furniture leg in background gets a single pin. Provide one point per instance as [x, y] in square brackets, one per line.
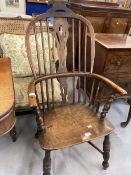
[124, 124]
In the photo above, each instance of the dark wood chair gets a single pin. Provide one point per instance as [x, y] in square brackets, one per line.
[7, 100]
[76, 119]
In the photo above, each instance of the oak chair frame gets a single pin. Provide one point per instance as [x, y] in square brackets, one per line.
[60, 14]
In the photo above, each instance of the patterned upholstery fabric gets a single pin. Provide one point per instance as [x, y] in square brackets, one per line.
[13, 46]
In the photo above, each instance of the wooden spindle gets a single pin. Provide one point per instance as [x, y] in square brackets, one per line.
[73, 59]
[85, 51]
[100, 97]
[43, 49]
[92, 92]
[85, 61]
[37, 50]
[96, 95]
[79, 66]
[50, 59]
[49, 46]
[39, 63]
[44, 61]
[53, 100]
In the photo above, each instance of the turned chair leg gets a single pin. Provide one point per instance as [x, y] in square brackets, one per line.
[39, 122]
[47, 163]
[124, 124]
[106, 152]
[13, 134]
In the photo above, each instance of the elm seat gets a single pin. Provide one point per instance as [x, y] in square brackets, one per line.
[68, 125]
[7, 103]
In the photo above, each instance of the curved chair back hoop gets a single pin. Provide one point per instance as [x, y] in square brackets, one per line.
[51, 42]
[57, 29]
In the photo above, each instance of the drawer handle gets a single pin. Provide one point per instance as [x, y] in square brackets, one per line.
[117, 63]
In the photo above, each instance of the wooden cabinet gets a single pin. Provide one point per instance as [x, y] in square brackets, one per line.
[105, 17]
[113, 58]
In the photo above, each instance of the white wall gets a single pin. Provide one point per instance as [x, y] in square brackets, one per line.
[19, 10]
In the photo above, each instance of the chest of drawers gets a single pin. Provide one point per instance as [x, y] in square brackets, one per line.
[113, 60]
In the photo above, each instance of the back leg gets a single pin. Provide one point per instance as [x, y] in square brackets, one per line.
[47, 163]
[13, 134]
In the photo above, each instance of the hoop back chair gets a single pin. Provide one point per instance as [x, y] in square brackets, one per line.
[76, 119]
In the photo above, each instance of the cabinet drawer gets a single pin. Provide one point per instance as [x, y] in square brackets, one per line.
[118, 64]
[119, 77]
[120, 80]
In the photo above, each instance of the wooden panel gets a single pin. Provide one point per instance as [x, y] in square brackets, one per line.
[97, 22]
[117, 20]
[118, 25]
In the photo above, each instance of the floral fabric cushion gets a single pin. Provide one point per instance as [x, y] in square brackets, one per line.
[13, 46]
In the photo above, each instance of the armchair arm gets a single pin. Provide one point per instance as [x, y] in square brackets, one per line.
[111, 84]
[32, 94]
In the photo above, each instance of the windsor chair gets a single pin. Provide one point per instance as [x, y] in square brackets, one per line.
[76, 118]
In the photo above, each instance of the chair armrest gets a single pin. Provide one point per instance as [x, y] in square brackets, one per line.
[111, 84]
[32, 95]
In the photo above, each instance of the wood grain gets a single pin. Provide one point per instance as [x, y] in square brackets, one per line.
[6, 87]
[7, 102]
[66, 126]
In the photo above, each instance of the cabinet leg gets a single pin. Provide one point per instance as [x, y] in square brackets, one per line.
[47, 163]
[13, 134]
[124, 124]
[106, 152]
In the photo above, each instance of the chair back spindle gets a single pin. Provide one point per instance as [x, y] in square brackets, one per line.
[51, 33]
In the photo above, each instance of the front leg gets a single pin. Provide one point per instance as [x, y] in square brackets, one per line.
[47, 163]
[40, 123]
[106, 152]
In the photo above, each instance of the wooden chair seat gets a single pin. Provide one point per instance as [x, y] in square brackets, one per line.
[70, 125]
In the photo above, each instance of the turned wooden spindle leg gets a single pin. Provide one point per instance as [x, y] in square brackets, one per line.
[39, 121]
[13, 134]
[106, 152]
[124, 124]
[47, 163]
